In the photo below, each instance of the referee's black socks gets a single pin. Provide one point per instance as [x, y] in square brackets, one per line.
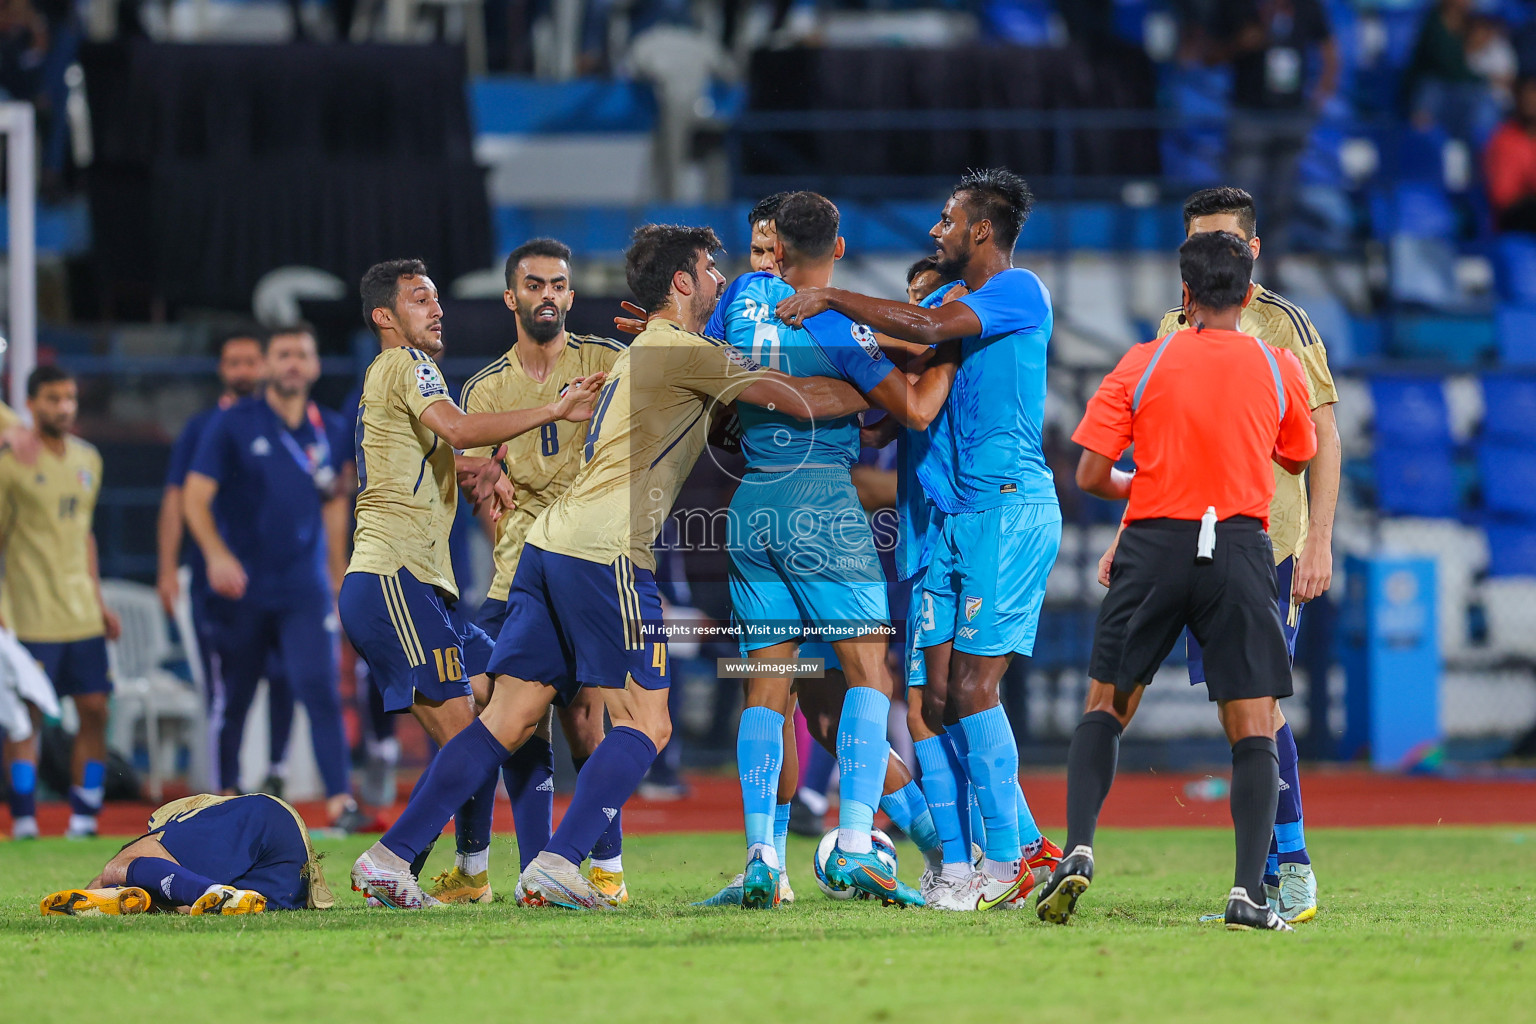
[1090, 771]
[1255, 792]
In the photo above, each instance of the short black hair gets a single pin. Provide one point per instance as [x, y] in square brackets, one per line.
[1226, 199]
[1217, 266]
[1000, 196]
[766, 208]
[42, 376]
[296, 327]
[656, 252]
[550, 247]
[923, 266]
[381, 285]
[807, 224]
[245, 332]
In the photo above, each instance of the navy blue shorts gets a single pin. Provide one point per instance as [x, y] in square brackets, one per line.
[490, 617]
[1283, 573]
[250, 842]
[413, 639]
[75, 667]
[572, 623]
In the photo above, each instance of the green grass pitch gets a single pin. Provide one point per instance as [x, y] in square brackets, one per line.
[1417, 924]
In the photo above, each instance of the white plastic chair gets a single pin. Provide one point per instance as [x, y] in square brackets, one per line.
[145, 692]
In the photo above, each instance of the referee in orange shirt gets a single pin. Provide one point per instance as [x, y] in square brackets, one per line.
[1207, 408]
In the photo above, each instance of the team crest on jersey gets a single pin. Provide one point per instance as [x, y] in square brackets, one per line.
[865, 336]
[428, 381]
[972, 608]
[261, 446]
[84, 476]
[744, 361]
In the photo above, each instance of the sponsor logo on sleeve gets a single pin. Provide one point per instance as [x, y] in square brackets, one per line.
[865, 336]
[428, 381]
[744, 361]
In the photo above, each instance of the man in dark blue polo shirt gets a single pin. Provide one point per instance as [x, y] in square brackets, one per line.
[242, 372]
[276, 465]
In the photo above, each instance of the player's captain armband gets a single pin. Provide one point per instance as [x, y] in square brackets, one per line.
[865, 336]
[429, 381]
[744, 361]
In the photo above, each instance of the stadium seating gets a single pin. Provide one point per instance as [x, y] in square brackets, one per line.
[1515, 266]
[1516, 334]
[1410, 411]
[1509, 479]
[1416, 481]
[1512, 549]
[1509, 404]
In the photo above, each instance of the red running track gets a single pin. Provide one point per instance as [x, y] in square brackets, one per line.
[1335, 797]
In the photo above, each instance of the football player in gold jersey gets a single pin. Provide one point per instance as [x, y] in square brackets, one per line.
[541, 465]
[399, 599]
[583, 609]
[1302, 537]
[51, 594]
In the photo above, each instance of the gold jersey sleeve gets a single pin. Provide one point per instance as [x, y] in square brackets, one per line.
[540, 463]
[49, 592]
[648, 428]
[408, 492]
[1280, 322]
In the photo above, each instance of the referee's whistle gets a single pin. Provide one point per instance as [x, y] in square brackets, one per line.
[1205, 548]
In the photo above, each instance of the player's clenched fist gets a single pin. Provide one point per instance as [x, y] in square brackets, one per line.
[575, 402]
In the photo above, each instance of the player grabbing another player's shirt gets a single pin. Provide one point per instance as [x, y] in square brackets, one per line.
[208, 854]
[998, 538]
[399, 599]
[1207, 409]
[541, 465]
[796, 505]
[1302, 539]
[51, 594]
[584, 609]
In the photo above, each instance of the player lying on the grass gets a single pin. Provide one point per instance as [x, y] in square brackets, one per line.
[1302, 539]
[208, 854]
[399, 599]
[794, 506]
[996, 543]
[540, 465]
[584, 609]
[1207, 409]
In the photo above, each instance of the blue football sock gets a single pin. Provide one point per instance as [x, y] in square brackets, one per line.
[1290, 839]
[609, 845]
[759, 757]
[862, 749]
[1029, 832]
[1272, 864]
[604, 783]
[907, 808]
[994, 763]
[939, 789]
[530, 777]
[168, 882]
[972, 828]
[472, 821]
[817, 775]
[86, 797]
[23, 799]
[455, 774]
[781, 833]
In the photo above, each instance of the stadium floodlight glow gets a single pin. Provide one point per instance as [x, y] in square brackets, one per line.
[18, 122]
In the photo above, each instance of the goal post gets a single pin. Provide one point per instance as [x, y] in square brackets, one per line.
[18, 122]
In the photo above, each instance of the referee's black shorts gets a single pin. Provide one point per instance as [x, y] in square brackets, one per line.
[1229, 604]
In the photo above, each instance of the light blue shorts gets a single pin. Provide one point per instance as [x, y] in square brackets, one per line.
[803, 559]
[986, 583]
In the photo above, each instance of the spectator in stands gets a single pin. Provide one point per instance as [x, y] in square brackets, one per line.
[1492, 58]
[23, 49]
[1442, 87]
[1510, 164]
[1268, 43]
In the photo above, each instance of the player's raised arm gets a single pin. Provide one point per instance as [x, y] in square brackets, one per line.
[900, 320]
[804, 398]
[481, 429]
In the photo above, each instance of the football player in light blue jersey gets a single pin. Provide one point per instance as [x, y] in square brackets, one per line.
[802, 552]
[998, 536]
